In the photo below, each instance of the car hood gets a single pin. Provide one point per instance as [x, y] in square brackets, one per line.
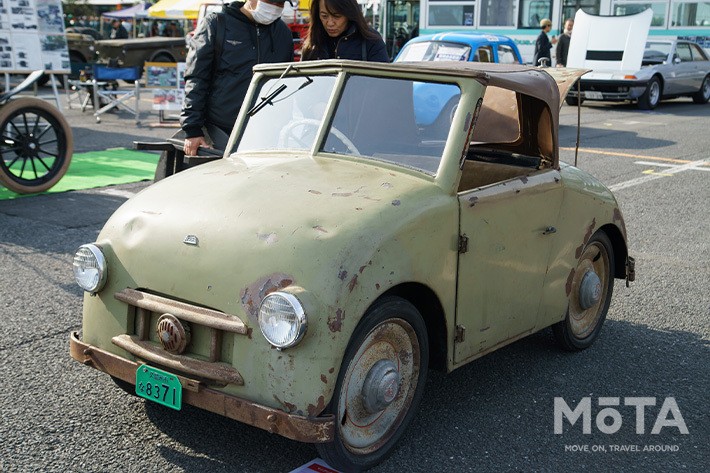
[608, 44]
[216, 230]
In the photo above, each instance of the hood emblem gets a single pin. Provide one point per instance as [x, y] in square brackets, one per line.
[191, 240]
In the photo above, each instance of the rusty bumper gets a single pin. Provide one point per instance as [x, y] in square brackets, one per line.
[304, 429]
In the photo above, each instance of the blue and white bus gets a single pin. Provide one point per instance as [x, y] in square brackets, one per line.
[400, 20]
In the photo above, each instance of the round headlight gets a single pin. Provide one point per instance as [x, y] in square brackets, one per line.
[282, 319]
[90, 268]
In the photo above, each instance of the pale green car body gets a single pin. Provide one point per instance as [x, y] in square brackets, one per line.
[338, 231]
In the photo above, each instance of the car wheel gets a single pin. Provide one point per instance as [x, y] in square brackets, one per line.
[379, 387]
[650, 98]
[446, 116]
[590, 294]
[703, 95]
[36, 148]
[573, 101]
[162, 57]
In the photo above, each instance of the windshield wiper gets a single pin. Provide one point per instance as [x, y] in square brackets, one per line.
[267, 100]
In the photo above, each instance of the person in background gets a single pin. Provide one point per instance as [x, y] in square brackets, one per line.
[339, 31]
[118, 31]
[171, 30]
[155, 29]
[217, 76]
[543, 45]
[563, 43]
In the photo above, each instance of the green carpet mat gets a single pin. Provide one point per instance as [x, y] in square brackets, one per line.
[100, 169]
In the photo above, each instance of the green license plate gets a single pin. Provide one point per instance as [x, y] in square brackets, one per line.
[159, 386]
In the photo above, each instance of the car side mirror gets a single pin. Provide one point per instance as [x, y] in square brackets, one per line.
[676, 60]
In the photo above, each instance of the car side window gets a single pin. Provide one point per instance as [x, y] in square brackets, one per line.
[506, 55]
[683, 52]
[698, 54]
[484, 54]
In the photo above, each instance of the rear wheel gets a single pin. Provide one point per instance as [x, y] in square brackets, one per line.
[652, 96]
[590, 294]
[379, 387]
[36, 145]
[703, 95]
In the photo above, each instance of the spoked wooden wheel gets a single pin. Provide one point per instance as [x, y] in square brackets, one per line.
[379, 387]
[36, 145]
[590, 295]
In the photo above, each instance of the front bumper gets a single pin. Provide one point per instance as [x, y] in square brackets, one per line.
[303, 429]
[611, 90]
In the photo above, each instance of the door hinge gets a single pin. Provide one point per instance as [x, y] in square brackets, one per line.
[460, 334]
[463, 243]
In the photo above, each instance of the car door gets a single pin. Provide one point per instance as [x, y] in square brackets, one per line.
[684, 70]
[509, 226]
[701, 66]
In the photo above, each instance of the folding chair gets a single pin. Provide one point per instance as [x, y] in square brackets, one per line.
[116, 97]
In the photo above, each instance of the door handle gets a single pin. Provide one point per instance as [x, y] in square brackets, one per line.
[549, 230]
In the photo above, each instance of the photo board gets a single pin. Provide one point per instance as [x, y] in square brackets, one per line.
[32, 36]
[167, 79]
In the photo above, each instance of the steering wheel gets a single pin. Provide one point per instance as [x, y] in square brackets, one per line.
[288, 132]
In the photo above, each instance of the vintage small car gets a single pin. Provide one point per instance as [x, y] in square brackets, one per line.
[305, 282]
[461, 46]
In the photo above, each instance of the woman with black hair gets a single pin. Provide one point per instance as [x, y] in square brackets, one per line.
[339, 31]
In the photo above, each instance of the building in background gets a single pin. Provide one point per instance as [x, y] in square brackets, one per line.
[520, 19]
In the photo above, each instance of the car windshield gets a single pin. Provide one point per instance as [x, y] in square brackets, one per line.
[400, 121]
[434, 51]
[656, 53]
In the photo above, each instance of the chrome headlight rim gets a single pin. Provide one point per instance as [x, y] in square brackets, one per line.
[101, 266]
[302, 319]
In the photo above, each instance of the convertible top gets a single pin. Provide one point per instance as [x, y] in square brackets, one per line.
[547, 86]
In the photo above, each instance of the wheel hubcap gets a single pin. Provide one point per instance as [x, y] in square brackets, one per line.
[654, 93]
[590, 290]
[381, 386]
[378, 386]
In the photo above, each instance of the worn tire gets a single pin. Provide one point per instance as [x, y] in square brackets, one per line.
[392, 333]
[652, 96]
[703, 95]
[581, 326]
[45, 150]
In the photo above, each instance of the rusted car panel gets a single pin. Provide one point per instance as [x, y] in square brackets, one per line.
[303, 429]
[375, 244]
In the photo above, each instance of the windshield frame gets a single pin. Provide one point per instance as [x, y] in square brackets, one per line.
[339, 87]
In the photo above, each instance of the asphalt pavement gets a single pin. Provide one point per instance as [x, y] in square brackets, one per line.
[495, 414]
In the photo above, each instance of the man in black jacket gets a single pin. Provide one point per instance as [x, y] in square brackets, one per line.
[217, 78]
[563, 43]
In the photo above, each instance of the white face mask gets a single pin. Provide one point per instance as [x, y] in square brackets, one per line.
[266, 13]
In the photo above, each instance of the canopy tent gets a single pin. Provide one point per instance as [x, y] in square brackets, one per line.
[136, 11]
[190, 9]
[187, 9]
[111, 3]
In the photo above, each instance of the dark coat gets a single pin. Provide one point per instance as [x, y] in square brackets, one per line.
[542, 49]
[214, 92]
[349, 45]
[562, 49]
